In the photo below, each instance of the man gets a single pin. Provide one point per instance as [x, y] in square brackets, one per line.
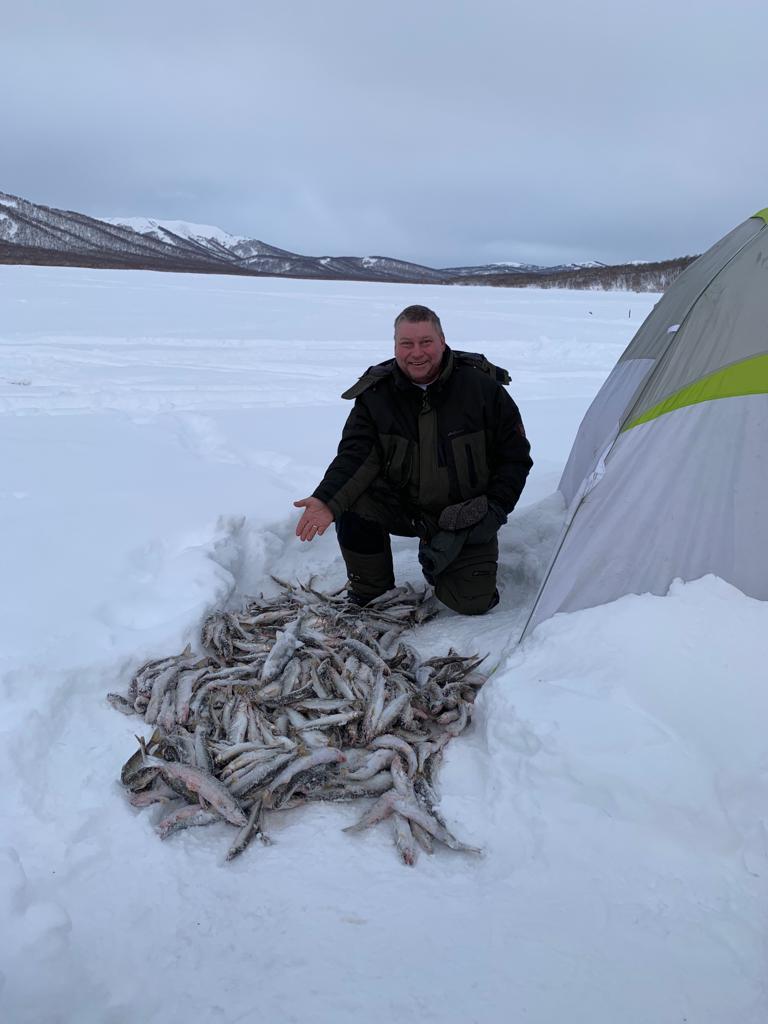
[434, 448]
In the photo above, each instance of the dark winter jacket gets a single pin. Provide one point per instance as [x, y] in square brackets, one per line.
[459, 438]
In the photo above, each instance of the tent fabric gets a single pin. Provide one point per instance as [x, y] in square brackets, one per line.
[602, 423]
[748, 377]
[671, 310]
[728, 323]
[610, 410]
[682, 496]
[667, 476]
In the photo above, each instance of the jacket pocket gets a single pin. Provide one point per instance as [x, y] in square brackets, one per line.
[398, 459]
[469, 457]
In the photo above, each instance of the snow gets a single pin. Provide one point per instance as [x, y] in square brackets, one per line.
[155, 429]
[182, 228]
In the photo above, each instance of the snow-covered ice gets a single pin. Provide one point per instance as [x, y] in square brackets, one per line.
[154, 430]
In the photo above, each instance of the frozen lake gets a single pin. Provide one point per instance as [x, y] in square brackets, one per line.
[154, 430]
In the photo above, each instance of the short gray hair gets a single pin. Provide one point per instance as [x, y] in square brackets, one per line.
[417, 315]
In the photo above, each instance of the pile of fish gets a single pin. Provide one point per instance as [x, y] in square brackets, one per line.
[302, 696]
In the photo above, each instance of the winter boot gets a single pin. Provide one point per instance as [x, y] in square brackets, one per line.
[369, 575]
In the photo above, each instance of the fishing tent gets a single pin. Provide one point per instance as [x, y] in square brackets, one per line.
[668, 476]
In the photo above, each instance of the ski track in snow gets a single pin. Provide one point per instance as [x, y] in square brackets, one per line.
[155, 429]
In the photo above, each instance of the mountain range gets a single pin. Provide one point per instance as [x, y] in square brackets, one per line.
[34, 234]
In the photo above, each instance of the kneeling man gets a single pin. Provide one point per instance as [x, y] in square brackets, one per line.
[434, 448]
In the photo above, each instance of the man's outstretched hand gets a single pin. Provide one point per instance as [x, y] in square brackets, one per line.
[317, 518]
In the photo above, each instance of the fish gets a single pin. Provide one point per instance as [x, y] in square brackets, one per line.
[122, 704]
[281, 653]
[302, 697]
[190, 780]
[411, 810]
[422, 837]
[390, 742]
[355, 790]
[403, 836]
[259, 774]
[375, 707]
[160, 685]
[251, 829]
[382, 809]
[302, 764]
[367, 655]
[374, 763]
[184, 817]
[391, 712]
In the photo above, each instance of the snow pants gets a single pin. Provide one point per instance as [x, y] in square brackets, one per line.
[467, 585]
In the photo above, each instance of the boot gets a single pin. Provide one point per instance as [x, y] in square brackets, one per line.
[369, 575]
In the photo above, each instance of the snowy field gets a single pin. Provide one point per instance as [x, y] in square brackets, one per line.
[154, 430]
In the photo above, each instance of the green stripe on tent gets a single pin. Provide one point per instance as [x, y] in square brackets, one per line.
[762, 214]
[749, 377]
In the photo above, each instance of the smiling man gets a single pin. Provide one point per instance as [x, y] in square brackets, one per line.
[434, 448]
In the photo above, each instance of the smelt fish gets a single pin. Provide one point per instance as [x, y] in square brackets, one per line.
[199, 784]
[302, 696]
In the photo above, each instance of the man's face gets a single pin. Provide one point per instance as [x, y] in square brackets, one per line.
[419, 350]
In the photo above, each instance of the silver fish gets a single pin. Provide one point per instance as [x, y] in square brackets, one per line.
[201, 785]
[302, 697]
[185, 817]
[329, 755]
[258, 774]
[373, 764]
[380, 810]
[422, 837]
[391, 713]
[367, 656]
[251, 829]
[404, 841]
[411, 810]
[375, 707]
[350, 790]
[401, 746]
[121, 703]
[161, 683]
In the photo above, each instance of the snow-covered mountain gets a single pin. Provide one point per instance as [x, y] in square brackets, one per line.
[35, 234]
[215, 240]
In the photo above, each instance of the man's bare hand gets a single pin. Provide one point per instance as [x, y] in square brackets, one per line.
[317, 518]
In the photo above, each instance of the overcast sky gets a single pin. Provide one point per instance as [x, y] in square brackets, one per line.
[441, 132]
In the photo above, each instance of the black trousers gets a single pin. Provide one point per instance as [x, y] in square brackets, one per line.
[467, 585]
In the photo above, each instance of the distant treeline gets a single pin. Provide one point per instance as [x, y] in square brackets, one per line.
[630, 277]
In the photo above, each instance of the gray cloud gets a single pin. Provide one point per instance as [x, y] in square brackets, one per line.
[422, 130]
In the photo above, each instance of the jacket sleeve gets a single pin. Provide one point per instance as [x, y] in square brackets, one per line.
[510, 455]
[357, 463]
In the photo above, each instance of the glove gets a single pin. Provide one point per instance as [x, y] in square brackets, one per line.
[464, 514]
[436, 556]
[489, 525]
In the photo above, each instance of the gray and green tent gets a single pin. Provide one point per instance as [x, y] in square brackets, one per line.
[668, 476]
